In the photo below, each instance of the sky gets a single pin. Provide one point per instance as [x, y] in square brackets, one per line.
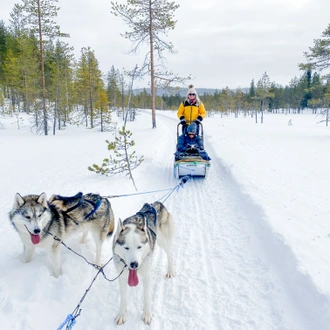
[219, 43]
[251, 240]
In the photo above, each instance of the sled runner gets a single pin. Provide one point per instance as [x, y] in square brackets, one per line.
[191, 161]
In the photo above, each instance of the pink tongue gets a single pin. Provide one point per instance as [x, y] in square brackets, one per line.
[35, 239]
[133, 279]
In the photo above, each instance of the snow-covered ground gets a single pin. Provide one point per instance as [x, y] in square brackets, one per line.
[251, 240]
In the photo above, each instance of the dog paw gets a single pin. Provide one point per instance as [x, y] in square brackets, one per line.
[170, 275]
[120, 319]
[147, 318]
[56, 273]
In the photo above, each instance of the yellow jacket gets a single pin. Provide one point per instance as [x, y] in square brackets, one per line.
[191, 111]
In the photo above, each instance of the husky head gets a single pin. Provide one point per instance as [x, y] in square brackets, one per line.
[30, 214]
[132, 243]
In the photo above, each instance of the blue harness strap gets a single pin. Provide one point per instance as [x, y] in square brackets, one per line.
[95, 205]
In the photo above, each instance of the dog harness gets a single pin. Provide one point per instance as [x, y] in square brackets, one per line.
[92, 199]
[151, 209]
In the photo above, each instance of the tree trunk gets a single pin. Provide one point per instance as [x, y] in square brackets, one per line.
[90, 93]
[152, 71]
[102, 129]
[123, 96]
[42, 72]
[56, 112]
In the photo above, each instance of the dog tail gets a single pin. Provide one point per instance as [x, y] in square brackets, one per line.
[111, 229]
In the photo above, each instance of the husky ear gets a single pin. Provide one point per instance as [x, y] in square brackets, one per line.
[119, 228]
[145, 227]
[18, 201]
[42, 199]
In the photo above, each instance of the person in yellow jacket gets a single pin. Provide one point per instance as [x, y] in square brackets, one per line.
[191, 109]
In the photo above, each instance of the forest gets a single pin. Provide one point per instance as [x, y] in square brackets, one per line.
[40, 76]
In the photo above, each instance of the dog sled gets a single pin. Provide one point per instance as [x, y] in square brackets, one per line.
[191, 162]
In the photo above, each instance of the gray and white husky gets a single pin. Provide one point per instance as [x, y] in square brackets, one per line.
[133, 246]
[34, 218]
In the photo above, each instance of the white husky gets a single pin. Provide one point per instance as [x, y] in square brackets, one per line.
[133, 246]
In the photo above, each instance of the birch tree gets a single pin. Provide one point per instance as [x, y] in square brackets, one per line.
[149, 21]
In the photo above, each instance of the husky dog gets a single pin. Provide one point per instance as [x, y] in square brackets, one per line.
[36, 220]
[133, 246]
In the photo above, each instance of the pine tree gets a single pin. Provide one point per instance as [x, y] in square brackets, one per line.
[316, 93]
[113, 87]
[318, 56]
[40, 18]
[239, 101]
[327, 102]
[89, 82]
[22, 65]
[101, 104]
[3, 49]
[123, 162]
[252, 90]
[59, 64]
[148, 21]
[263, 94]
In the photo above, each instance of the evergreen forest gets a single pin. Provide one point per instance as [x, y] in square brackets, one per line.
[40, 76]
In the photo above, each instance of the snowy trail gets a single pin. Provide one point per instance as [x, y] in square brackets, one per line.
[233, 272]
[217, 242]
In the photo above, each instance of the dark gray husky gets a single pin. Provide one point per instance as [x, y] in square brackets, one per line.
[34, 218]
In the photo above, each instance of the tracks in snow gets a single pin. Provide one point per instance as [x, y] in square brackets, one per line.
[229, 269]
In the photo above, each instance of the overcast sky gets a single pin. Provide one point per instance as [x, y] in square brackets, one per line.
[220, 43]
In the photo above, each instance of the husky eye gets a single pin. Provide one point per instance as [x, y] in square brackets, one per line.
[139, 247]
[126, 248]
[39, 215]
[27, 217]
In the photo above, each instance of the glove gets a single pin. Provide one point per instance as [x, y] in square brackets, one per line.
[183, 120]
[198, 120]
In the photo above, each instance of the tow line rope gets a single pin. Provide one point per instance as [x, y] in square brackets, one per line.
[177, 187]
[180, 185]
[70, 320]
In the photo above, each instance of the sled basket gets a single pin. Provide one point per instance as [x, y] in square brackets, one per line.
[192, 166]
